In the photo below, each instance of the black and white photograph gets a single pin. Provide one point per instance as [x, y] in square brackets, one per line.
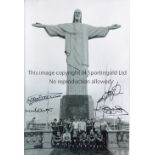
[76, 77]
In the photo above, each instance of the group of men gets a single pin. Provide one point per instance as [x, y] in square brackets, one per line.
[81, 133]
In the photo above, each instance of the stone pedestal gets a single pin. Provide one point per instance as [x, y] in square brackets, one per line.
[77, 107]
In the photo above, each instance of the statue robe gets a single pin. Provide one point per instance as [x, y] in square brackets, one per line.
[76, 37]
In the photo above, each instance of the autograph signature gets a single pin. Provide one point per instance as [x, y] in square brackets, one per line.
[113, 90]
[115, 110]
[36, 98]
[39, 110]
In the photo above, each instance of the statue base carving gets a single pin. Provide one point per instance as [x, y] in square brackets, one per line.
[77, 107]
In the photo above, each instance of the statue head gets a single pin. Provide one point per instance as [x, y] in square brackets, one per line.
[77, 16]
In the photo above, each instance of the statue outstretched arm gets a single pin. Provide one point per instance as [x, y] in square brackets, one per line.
[113, 27]
[52, 30]
[39, 25]
[99, 32]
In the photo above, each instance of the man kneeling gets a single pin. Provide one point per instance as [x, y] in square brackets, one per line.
[66, 139]
[57, 140]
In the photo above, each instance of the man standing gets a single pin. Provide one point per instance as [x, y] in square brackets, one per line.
[82, 126]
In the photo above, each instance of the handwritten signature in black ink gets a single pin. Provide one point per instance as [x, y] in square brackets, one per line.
[115, 110]
[39, 110]
[114, 90]
[36, 98]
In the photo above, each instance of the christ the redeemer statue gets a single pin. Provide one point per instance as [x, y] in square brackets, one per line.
[76, 37]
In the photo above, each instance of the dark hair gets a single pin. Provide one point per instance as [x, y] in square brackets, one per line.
[74, 16]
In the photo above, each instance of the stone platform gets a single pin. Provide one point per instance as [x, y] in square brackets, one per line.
[76, 106]
[118, 144]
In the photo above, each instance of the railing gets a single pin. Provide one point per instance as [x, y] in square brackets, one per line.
[118, 138]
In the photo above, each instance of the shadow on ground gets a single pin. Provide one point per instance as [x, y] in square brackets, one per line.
[78, 152]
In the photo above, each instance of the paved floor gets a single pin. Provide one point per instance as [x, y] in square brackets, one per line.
[114, 151]
[37, 152]
[120, 151]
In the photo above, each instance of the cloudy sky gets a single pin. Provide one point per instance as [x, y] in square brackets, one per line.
[47, 53]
